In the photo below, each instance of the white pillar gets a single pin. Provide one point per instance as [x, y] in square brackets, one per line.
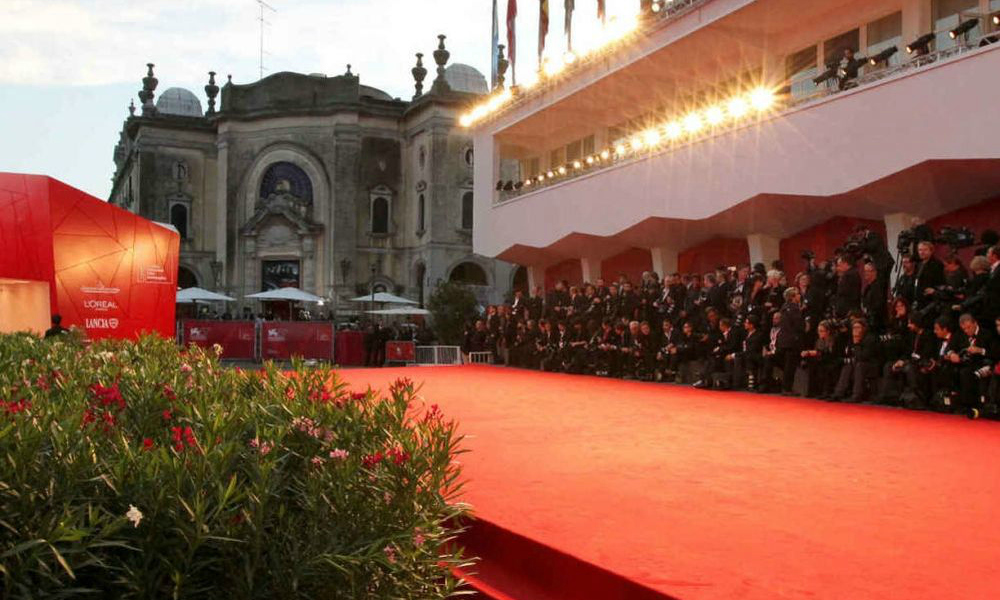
[590, 268]
[664, 260]
[763, 249]
[536, 276]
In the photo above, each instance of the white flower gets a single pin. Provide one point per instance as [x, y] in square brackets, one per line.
[133, 515]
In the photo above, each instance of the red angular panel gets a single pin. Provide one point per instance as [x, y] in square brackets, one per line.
[112, 273]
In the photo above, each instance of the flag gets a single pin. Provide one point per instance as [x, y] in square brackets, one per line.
[601, 10]
[494, 48]
[543, 27]
[512, 36]
[570, 5]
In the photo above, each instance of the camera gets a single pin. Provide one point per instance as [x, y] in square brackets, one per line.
[906, 244]
[956, 237]
[808, 255]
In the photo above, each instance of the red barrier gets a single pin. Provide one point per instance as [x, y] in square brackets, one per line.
[282, 340]
[350, 348]
[401, 352]
[235, 337]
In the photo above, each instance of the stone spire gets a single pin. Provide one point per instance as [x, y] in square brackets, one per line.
[419, 73]
[502, 64]
[211, 90]
[441, 56]
[149, 83]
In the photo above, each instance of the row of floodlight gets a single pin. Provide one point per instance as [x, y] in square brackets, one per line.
[756, 101]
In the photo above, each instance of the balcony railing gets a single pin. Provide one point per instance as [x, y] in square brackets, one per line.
[660, 140]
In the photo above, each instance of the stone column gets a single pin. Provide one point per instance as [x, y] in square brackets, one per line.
[591, 269]
[536, 276]
[664, 260]
[763, 249]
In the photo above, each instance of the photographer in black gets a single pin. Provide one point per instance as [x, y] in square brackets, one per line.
[847, 298]
[791, 334]
[975, 359]
[862, 362]
[873, 298]
[906, 373]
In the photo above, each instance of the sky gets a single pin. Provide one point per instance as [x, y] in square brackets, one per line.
[68, 68]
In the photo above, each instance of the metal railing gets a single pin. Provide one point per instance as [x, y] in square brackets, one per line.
[870, 76]
[439, 355]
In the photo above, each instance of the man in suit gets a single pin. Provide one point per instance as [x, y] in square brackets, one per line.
[873, 299]
[751, 355]
[791, 334]
[991, 291]
[928, 276]
[848, 296]
[535, 305]
[976, 359]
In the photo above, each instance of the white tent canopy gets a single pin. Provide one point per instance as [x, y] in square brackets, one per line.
[407, 310]
[196, 294]
[289, 294]
[383, 298]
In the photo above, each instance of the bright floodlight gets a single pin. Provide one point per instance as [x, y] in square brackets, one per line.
[577, 164]
[562, 170]
[637, 142]
[529, 80]
[761, 99]
[553, 66]
[466, 120]
[569, 58]
[620, 149]
[651, 137]
[590, 160]
[737, 107]
[605, 154]
[692, 123]
[673, 130]
[714, 115]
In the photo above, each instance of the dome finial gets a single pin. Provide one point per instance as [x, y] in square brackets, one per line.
[441, 56]
[149, 83]
[211, 90]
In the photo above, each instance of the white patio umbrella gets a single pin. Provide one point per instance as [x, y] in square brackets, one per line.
[406, 310]
[288, 294]
[197, 294]
[383, 298]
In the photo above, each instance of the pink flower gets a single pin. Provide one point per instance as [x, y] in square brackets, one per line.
[167, 415]
[419, 539]
[254, 443]
[265, 448]
[390, 554]
[186, 368]
[339, 454]
[317, 461]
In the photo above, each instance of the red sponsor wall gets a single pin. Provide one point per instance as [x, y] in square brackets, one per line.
[632, 263]
[705, 257]
[350, 348]
[822, 239]
[570, 269]
[111, 273]
[282, 340]
[235, 337]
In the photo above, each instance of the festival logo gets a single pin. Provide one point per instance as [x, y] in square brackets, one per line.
[153, 274]
[100, 288]
[198, 334]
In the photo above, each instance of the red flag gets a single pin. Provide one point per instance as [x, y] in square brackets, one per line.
[601, 12]
[511, 32]
[543, 26]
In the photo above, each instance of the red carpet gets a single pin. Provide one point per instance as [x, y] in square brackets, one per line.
[708, 495]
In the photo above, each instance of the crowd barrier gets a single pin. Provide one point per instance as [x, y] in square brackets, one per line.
[237, 338]
[480, 358]
[350, 348]
[438, 355]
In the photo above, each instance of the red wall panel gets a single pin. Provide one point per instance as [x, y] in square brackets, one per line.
[978, 217]
[112, 273]
[570, 269]
[822, 239]
[235, 337]
[632, 263]
[705, 257]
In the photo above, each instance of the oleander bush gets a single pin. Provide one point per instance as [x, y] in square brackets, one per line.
[140, 470]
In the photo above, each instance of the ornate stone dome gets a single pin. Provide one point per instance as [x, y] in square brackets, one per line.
[463, 78]
[179, 101]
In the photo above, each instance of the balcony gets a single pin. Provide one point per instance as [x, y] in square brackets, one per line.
[918, 138]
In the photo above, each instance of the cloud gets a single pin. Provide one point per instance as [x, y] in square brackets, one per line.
[98, 42]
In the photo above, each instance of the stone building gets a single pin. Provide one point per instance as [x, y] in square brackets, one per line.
[312, 181]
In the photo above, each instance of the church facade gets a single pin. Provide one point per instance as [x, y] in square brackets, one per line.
[315, 182]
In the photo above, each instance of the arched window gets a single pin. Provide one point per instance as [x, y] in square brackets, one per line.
[468, 273]
[421, 218]
[185, 278]
[469, 157]
[179, 218]
[467, 211]
[286, 178]
[380, 215]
